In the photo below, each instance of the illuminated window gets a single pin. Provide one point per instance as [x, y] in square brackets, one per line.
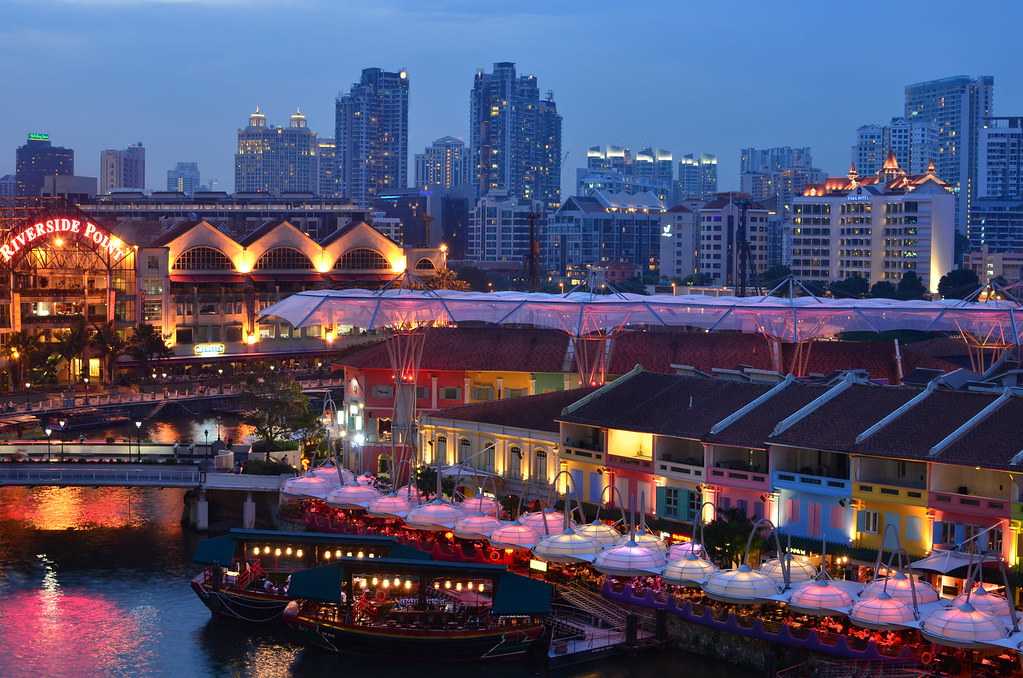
[425, 265]
[362, 259]
[202, 259]
[281, 258]
[515, 462]
[540, 466]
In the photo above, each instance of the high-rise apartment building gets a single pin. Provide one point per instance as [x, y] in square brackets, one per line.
[959, 106]
[781, 172]
[122, 169]
[680, 241]
[445, 163]
[914, 142]
[371, 133]
[515, 137]
[276, 160]
[184, 178]
[874, 227]
[326, 158]
[499, 227]
[1000, 159]
[38, 159]
[697, 177]
[8, 186]
[616, 169]
[733, 238]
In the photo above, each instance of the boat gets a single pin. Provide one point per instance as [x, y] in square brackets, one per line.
[245, 574]
[421, 608]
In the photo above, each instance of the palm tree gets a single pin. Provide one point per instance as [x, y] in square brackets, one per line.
[147, 344]
[22, 352]
[73, 344]
[109, 345]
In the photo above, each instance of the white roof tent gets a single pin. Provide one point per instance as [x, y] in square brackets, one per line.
[581, 313]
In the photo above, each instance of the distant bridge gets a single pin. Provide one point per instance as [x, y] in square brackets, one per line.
[133, 475]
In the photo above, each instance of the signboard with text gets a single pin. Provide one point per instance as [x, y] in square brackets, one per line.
[58, 229]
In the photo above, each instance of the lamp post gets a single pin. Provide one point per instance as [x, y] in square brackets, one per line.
[206, 432]
[138, 428]
[28, 393]
[85, 380]
[220, 371]
[49, 432]
[63, 423]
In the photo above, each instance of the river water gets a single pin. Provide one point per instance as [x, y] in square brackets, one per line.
[95, 582]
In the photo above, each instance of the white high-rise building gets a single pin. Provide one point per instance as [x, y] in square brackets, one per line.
[499, 227]
[1000, 159]
[728, 220]
[914, 142]
[122, 169]
[697, 177]
[874, 227]
[445, 163]
[276, 160]
[960, 106]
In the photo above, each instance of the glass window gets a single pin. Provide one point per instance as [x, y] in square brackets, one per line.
[442, 449]
[464, 450]
[183, 335]
[152, 311]
[203, 259]
[281, 258]
[362, 259]
[515, 462]
[540, 466]
[152, 263]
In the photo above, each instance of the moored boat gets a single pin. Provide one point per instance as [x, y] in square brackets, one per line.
[416, 608]
[247, 572]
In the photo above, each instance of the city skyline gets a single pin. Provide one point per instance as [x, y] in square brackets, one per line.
[644, 100]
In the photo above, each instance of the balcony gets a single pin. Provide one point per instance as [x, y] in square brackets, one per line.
[818, 483]
[628, 461]
[967, 504]
[895, 494]
[738, 474]
[582, 454]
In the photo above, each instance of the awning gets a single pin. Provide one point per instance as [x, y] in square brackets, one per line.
[286, 277]
[516, 594]
[943, 562]
[215, 551]
[320, 583]
[190, 278]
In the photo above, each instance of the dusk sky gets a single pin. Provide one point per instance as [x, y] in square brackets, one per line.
[182, 75]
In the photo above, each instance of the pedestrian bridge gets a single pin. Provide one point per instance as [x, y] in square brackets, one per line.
[133, 475]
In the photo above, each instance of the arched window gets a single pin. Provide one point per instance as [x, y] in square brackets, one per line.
[540, 466]
[464, 450]
[281, 258]
[442, 450]
[515, 463]
[202, 259]
[425, 264]
[362, 259]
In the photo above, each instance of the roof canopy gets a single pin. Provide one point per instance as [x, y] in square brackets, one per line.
[581, 313]
[222, 550]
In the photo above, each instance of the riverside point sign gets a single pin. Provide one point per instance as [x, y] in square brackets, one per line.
[57, 229]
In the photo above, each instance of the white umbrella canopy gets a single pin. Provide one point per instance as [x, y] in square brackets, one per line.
[689, 570]
[567, 547]
[962, 626]
[645, 539]
[820, 598]
[881, 612]
[741, 586]
[514, 535]
[353, 496]
[436, 516]
[483, 505]
[629, 560]
[410, 492]
[389, 506]
[985, 601]
[476, 526]
[603, 534]
[677, 551]
[330, 474]
[800, 570]
[308, 486]
[555, 521]
[899, 587]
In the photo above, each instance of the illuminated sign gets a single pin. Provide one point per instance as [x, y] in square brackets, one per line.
[25, 239]
[209, 349]
[538, 565]
[666, 231]
[38, 136]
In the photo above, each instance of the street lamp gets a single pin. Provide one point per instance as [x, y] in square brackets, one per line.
[206, 432]
[86, 381]
[220, 371]
[63, 423]
[138, 427]
[28, 393]
[49, 432]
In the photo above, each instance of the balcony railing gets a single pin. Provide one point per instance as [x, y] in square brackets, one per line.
[680, 470]
[967, 503]
[895, 493]
[583, 454]
[820, 482]
[644, 463]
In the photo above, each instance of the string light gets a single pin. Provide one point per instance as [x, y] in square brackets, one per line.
[288, 551]
[326, 555]
[408, 584]
[349, 554]
[375, 581]
[255, 550]
[360, 554]
[387, 583]
[277, 552]
[436, 585]
[447, 584]
[299, 553]
[337, 554]
[458, 586]
[397, 581]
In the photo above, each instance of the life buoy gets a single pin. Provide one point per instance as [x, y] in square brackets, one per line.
[926, 658]
[495, 556]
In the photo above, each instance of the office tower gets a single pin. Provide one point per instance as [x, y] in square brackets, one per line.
[122, 169]
[184, 178]
[870, 148]
[326, 162]
[874, 227]
[697, 177]
[724, 221]
[959, 105]
[781, 172]
[914, 142]
[617, 170]
[37, 159]
[445, 163]
[499, 227]
[679, 241]
[515, 138]
[276, 160]
[8, 186]
[371, 133]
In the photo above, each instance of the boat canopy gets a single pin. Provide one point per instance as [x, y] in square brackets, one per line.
[513, 593]
[222, 550]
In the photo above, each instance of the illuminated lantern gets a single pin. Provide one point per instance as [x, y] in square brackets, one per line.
[567, 547]
[985, 601]
[741, 586]
[604, 535]
[299, 553]
[287, 551]
[555, 521]
[645, 539]
[900, 588]
[326, 555]
[277, 552]
[255, 550]
[678, 551]
[437, 516]
[389, 506]
[476, 526]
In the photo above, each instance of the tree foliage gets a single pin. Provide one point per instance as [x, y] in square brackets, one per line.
[108, 345]
[274, 405]
[725, 537]
[911, 287]
[147, 346]
[853, 287]
[958, 283]
[883, 290]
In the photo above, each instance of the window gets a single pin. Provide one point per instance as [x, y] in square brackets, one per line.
[540, 466]
[232, 333]
[868, 522]
[382, 391]
[183, 335]
[485, 461]
[152, 286]
[202, 259]
[464, 450]
[515, 462]
[450, 393]
[482, 393]
[152, 311]
[442, 450]
[281, 258]
[671, 501]
[152, 263]
[425, 265]
[362, 259]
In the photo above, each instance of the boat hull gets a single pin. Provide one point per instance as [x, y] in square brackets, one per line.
[248, 607]
[462, 646]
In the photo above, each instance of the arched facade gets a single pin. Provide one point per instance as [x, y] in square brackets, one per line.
[283, 259]
[362, 259]
[202, 258]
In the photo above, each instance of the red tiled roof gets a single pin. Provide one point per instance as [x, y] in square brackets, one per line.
[827, 357]
[755, 427]
[538, 412]
[992, 443]
[657, 351]
[480, 349]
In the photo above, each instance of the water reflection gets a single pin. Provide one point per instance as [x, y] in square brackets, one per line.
[182, 429]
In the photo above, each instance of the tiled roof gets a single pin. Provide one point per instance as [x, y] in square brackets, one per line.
[258, 233]
[673, 405]
[328, 239]
[993, 443]
[478, 349]
[658, 351]
[538, 412]
[835, 424]
[827, 357]
[174, 232]
[754, 428]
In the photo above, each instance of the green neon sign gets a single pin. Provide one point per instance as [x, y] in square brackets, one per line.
[38, 136]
